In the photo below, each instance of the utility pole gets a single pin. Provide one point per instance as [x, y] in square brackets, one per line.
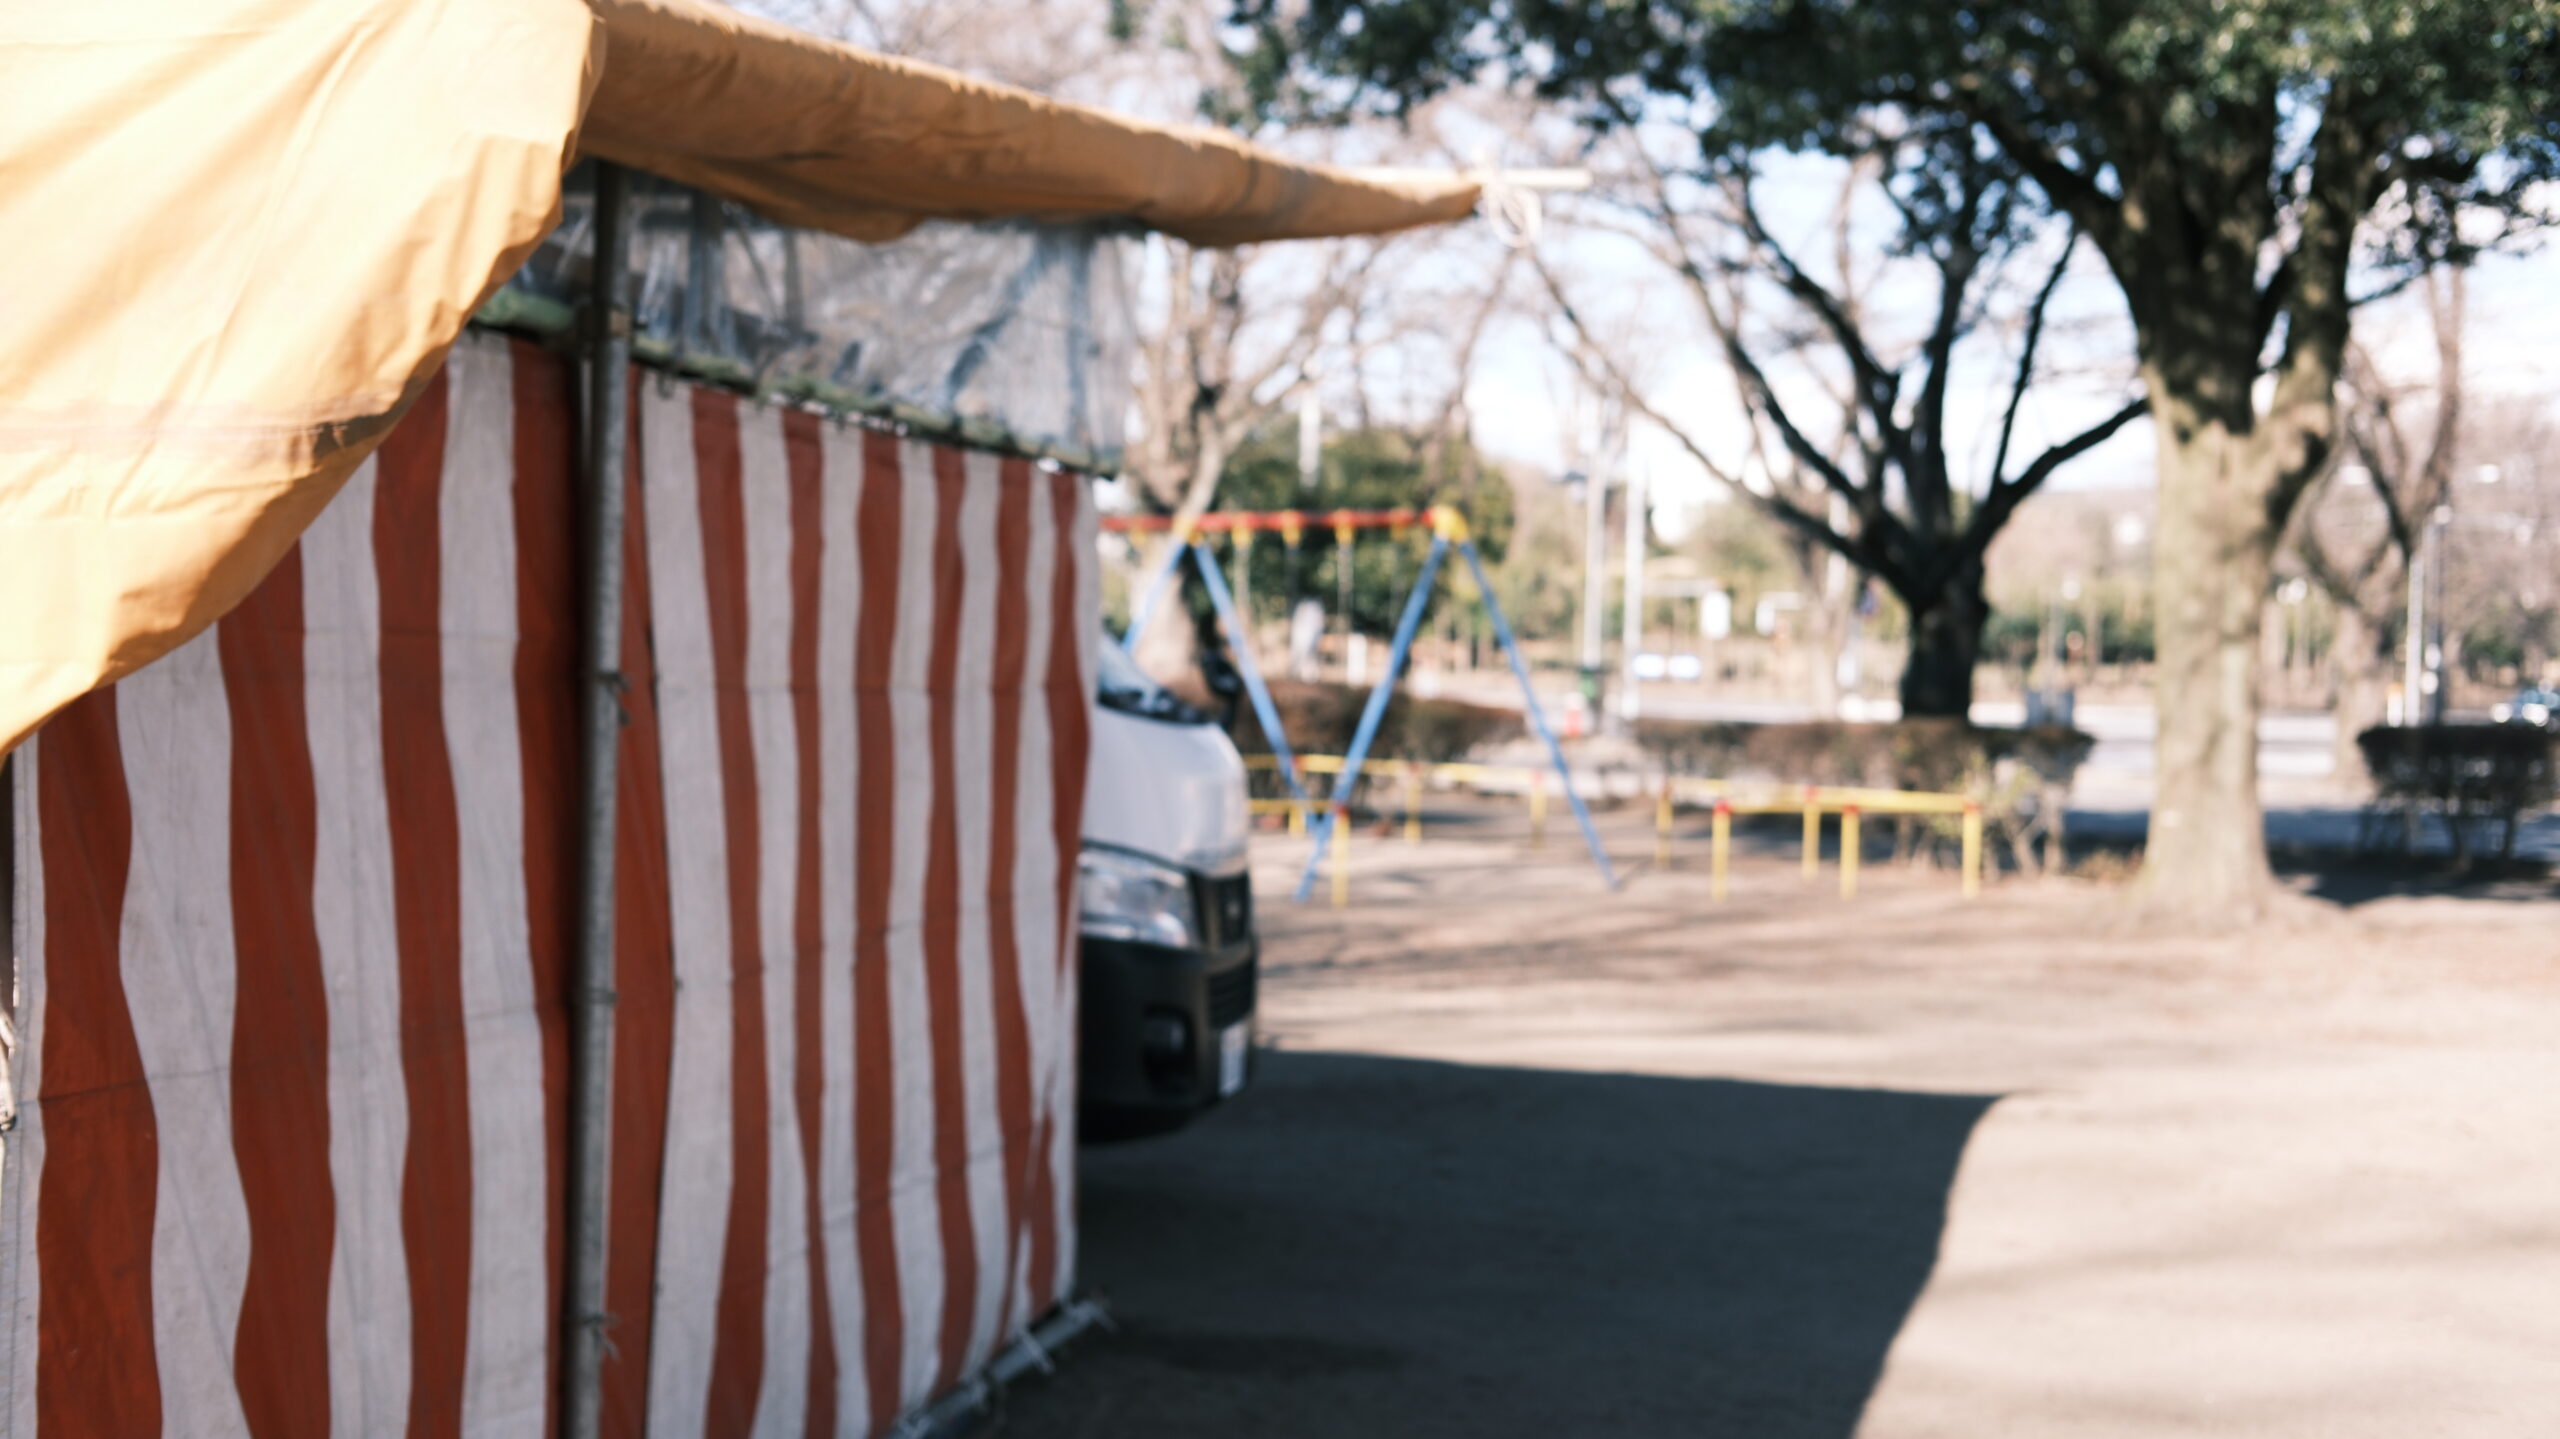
[2437, 688]
[2413, 642]
[1310, 436]
[1631, 623]
[1595, 564]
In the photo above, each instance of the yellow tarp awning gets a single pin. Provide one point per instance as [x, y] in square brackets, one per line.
[238, 235]
[824, 135]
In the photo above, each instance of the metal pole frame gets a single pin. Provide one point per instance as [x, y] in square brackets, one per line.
[1263, 709]
[607, 343]
[1375, 711]
[1537, 716]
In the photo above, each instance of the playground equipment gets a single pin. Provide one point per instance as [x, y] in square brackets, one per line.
[1448, 528]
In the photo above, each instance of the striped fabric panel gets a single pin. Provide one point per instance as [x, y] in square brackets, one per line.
[293, 907]
[843, 630]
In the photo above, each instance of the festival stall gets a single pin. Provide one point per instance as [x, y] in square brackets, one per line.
[540, 853]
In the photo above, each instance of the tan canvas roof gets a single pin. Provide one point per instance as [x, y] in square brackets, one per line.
[240, 234]
[825, 135]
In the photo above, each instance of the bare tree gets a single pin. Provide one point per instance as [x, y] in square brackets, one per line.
[1053, 46]
[1877, 485]
[2369, 509]
[1226, 338]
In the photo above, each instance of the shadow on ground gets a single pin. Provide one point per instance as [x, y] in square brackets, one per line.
[1377, 1247]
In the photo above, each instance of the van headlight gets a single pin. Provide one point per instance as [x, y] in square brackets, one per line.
[1126, 896]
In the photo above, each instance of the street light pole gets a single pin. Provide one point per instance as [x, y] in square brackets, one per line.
[1631, 622]
[2437, 695]
[1595, 564]
[2413, 641]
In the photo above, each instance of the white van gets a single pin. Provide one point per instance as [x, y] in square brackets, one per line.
[1167, 943]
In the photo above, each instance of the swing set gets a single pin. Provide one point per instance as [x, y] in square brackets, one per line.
[1448, 530]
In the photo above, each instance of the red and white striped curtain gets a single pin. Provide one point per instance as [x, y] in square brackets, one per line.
[293, 919]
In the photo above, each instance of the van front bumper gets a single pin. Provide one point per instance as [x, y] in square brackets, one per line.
[1156, 1025]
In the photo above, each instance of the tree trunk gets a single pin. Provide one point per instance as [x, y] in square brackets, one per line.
[2206, 862]
[2364, 667]
[1168, 648]
[1946, 644]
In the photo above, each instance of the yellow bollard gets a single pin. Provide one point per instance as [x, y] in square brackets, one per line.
[1341, 856]
[1721, 845]
[1412, 803]
[1812, 835]
[1662, 827]
[1298, 820]
[1537, 808]
[1849, 851]
[1972, 849]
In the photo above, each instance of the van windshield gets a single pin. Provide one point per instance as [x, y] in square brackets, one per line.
[1121, 685]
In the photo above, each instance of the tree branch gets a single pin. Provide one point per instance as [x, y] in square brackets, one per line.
[2030, 342]
[2077, 195]
[1587, 356]
[2005, 496]
[1879, 387]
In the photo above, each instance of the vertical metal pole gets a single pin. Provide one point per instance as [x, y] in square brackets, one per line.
[2412, 698]
[607, 341]
[2440, 691]
[1264, 710]
[2413, 637]
[1342, 554]
[1852, 847]
[1376, 711]
[1310, 437]
[1537, 716]
[1595, 564]
[1631, 623]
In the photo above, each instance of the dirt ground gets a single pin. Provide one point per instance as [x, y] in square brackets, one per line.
[1526, 1158]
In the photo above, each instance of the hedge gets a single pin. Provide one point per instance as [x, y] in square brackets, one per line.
[1321, 718]
[1944, 755]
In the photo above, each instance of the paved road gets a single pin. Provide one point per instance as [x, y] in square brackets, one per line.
[2294, 747]
[2308, 804]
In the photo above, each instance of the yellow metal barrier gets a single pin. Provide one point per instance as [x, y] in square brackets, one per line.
[1812, 836]
[1972, 849]
[1812, 802]
[1720, 846]
[1341, 855]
